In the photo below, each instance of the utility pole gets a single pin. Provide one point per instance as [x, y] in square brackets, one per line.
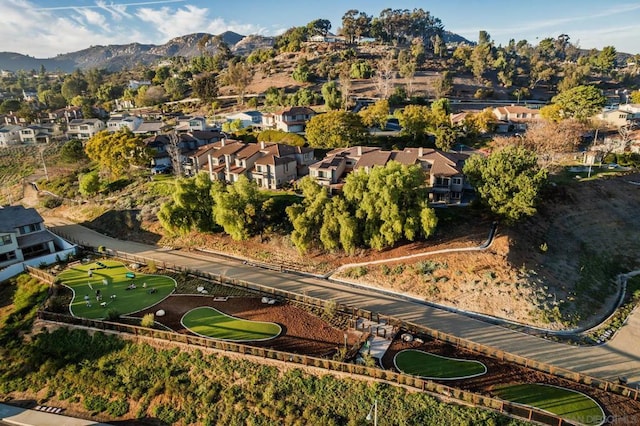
[44, 165]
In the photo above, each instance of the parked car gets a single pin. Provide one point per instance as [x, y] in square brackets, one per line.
[161, 169]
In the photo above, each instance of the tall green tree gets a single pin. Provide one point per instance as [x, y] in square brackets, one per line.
[205, 87]
[376, 115]
[307, 216]
[414, 120]
[581, 102]
[508, 181]
[332, 95]
[335, 129]
[117, 152]
[240, 208]
[389, 203]
[89, 183]
[191, 206]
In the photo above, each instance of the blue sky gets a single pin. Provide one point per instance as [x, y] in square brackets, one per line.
[45, 28]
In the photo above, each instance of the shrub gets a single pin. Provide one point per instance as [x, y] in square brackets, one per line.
[151, 267]
[52, 202]
[148, 320]
[95, 404]
[118, 408]
[113, 314]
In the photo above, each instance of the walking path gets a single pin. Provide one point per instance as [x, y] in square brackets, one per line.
[619, 357]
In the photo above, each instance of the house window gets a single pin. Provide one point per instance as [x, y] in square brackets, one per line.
[7, 256]
[455, 196]
[29, 228]
[5, 240]
[456, 181]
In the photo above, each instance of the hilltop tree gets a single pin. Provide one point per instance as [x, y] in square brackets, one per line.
[319, 27]
[238, 75]
[205, 87]
[335, 129]
[508, 181]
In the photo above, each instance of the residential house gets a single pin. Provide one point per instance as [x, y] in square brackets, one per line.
[241, 163]
[634, 110]
[136, 84]
[329, 170]
[10, 135]
[292, 120]
[118, 122]
[160, 144]
[84, 129]
[24, 238]
[615, 117]
[247, 118]
[206, 137]
[281, 164]
[517, 116]
[445, 179]
[224, 151]
[36, 134]
[189, 124]
[65, 114]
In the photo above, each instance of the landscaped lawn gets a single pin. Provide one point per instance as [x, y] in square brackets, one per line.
[112, 284]
[568, 404]
[430, 366]
[210, 322]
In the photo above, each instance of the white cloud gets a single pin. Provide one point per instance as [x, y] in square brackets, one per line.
[45, 33]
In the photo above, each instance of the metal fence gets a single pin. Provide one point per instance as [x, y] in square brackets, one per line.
[355, 312]
[358, 371]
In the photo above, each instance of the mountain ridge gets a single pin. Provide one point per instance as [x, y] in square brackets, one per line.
[117, 57]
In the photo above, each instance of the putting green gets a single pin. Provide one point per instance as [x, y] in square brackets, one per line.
[431, 366]
[566, 403]
[112, 285]
[210, 322]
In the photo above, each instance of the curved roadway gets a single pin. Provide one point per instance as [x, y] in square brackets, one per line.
[619, 357]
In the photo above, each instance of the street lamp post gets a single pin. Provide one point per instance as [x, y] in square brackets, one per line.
[374, 408]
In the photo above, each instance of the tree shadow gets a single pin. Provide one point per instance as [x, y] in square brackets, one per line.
[123, 225]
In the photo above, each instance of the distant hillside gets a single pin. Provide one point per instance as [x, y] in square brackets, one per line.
[118, 57]
[450, 37]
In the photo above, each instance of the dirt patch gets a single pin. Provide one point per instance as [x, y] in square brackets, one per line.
[302, 332]
[624, 410]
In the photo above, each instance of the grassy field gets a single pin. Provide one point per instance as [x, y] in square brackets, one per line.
[210, 322]
[430, 366]
[566, 403]
[112, 284]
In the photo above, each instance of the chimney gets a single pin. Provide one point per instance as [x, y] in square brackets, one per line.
[420, 152]
[359, 151]
[262, 145]
[222, 142]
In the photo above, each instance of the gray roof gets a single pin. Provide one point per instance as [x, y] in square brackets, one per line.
[34, 238]
[12, 217]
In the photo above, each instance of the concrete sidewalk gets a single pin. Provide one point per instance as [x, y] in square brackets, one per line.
[24, 417]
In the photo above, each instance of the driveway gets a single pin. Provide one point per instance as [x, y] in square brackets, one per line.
[619, 357]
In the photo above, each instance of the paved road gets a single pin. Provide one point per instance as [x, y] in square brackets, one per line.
[620, 357]
[11, 415]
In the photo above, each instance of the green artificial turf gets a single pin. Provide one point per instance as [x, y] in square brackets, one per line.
[125, 301]
[210, 322]
[423, 364]
[568, 404]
